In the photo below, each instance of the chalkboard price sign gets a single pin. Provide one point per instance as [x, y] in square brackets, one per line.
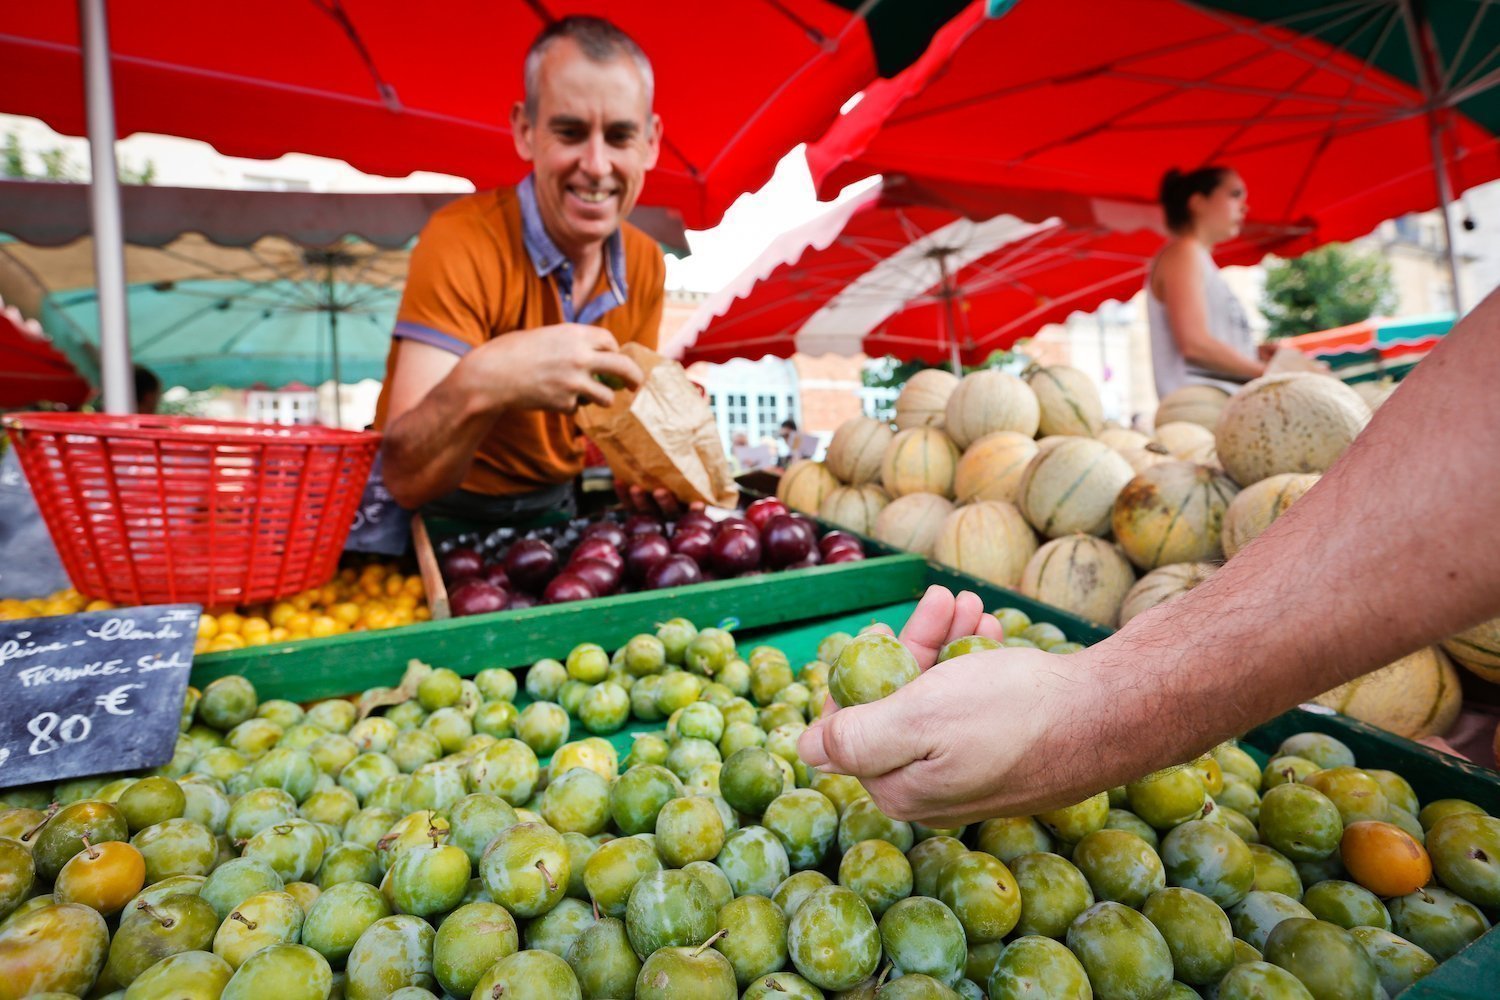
[92, 693]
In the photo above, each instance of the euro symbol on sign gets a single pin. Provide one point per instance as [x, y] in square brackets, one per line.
[114, 702]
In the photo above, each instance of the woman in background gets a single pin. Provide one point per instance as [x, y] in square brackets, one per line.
[1200, 334]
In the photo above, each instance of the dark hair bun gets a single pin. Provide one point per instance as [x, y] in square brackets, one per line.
[1177, 189]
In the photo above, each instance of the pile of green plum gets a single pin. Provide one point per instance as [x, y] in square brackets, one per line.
[450, 837]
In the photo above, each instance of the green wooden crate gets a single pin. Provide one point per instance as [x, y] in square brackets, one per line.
[1469, 975]
[345, 664]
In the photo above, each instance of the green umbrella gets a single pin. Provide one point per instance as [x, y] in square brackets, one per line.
[317, 325]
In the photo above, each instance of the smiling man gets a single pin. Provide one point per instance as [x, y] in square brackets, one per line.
[518, 299]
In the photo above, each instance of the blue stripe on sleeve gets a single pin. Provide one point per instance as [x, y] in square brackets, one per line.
[433, 338]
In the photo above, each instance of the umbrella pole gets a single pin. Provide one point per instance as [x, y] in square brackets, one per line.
[333, 335]
[949, 319]
[1445, 199]
[116, 374]
[1430, 68]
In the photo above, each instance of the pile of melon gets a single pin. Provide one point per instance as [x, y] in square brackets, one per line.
[1020, 481]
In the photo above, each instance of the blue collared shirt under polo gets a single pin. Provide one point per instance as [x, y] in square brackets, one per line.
[548, 259]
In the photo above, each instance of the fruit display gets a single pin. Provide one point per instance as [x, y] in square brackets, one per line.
[1172, 513]
[1193, 404]
[923, 401]
[1068, 399]
[1478, 649]
[1162, 585]
[1255, 507]
[989, 540]
[1418, 695]
[366, 597]
[614, 554]
[854, 507]
[485, 837]
[920, 460]
[1084, 574]
[1294, 422]
[987, 401]
[991, 467]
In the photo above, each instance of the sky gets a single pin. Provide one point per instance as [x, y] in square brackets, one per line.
[786, 201]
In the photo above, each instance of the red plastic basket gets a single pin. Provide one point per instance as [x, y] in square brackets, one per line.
[150, 510]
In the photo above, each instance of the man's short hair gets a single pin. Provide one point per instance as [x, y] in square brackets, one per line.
[599, 40]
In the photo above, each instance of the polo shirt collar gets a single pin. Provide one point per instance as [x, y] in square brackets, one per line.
[544, 254]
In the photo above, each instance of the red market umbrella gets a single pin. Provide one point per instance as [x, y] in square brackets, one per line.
[1338, 113]
[32, 370]
[880, 275]
[393, 87]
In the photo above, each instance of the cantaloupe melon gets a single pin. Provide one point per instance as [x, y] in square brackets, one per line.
[1122, 439]
[857, 448]
[923, 398]
[1046, 444]
[1258, 504]
[1069, 401]
[990, 540]
[854, 507]
[1082, 574]
[991, 467]
[987, 401]
[1478, 649]
[912, 522]
[1184, 440]
[1143, 458]
[1072, 487]
[1417, 696]
[1293, 422]
[1193, 404]
[919, 460]
[805, 484]
[1162, 585]
[1172, 513]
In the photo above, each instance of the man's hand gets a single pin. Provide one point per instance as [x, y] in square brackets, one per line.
[657, 503]
[549, 368]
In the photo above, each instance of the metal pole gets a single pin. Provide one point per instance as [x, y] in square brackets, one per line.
[116, 374]
[1430, 68]
[333, 334]
[948, 314]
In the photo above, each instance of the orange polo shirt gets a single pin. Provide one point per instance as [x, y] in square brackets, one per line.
[484, 267]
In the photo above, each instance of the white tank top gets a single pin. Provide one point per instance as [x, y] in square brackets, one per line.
[1227, 323]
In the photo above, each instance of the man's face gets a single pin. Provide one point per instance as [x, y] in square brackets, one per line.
[592, 142]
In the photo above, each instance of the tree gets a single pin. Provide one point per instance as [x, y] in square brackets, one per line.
[1334, 285]
[13, 158]
[58, 165]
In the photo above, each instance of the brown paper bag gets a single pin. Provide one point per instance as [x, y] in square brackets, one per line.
[1289, 359]
[663, 435]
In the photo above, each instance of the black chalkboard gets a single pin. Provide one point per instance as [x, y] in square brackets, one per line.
[92, 693]
[380, 525]
[29, 566]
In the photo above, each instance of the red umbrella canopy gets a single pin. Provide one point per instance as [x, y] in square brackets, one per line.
[1317, 103]
[880, 275]
[32, 370]
[392, 87]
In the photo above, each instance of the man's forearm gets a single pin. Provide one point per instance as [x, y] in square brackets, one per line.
[1398, 546]
[429, 448]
